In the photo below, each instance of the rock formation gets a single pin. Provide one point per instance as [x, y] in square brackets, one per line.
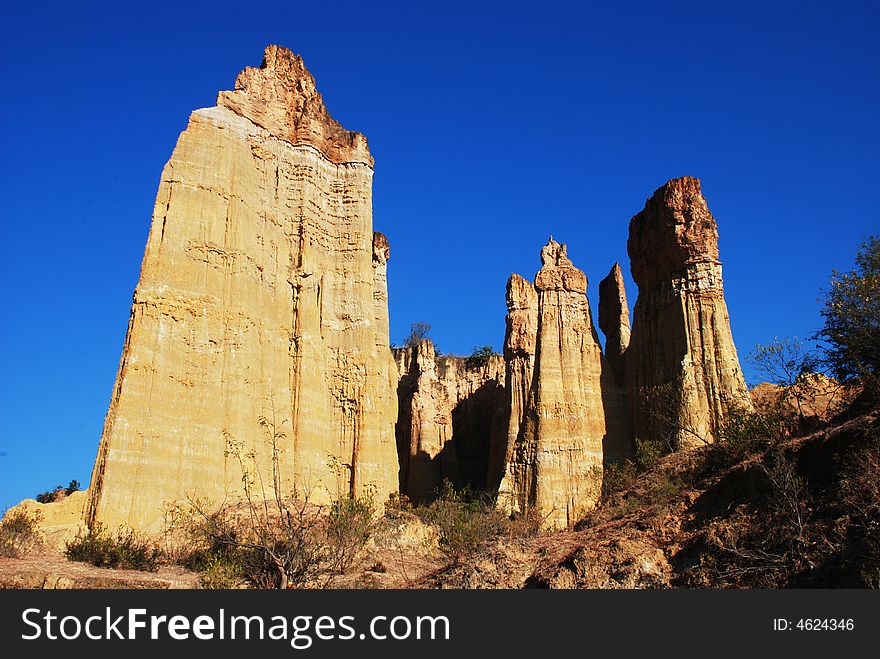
[519, 358]
[614, 320]
[257, 347]
[555, 466]
[261, 312]
[448, 411]
[682, 371]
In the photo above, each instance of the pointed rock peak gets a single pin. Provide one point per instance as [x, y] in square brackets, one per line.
[613, 308]
[557, 271]
[614, 281]
[282, 97]
[683, 185]
[554, 254]
[616, 273]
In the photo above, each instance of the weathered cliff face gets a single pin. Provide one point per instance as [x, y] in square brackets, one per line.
[614, 320]
[573, 407]
[448, 414]
[261, 312]
[682, 371]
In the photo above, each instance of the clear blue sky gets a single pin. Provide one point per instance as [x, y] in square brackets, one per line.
[491, 126]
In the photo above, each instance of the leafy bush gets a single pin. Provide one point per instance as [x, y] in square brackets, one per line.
[648, 452]
[465, 519]
[125, 551]
[50, 496]
[220, 571]
[350, 524]
[480, 356]
[747, 432]
[20, 533]
[618, 476]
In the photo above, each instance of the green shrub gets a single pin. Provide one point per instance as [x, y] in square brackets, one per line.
[648, 452]
[125, 551]
[618, 476]
[666, 489]
[350, 524]
[480, 357]
[20, 533]
[465, 519]
[747, 432]
[49, 496]
[220, 571]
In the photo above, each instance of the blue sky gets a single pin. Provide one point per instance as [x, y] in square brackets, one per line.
[492, 126]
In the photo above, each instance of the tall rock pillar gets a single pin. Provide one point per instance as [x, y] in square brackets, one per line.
[258, 337]
[682, 371]
[555, 467]
[614, 320]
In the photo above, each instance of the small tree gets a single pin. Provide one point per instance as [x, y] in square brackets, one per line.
[271, 538]
[788, 363]
[418, 332]
[672, 423]
[480, 356]
[851, 310]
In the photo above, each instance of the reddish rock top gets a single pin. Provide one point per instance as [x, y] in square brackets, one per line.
[558, 272]
[281, 96]
[674, 229]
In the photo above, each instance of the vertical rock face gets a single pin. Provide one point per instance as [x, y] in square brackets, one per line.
[520, 339]
[614, 320]
[556, 463]
[261, 312]
[682, 371]
[448, 408]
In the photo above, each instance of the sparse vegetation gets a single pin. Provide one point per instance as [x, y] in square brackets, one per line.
[480, 356]
[58, 492]
[671, 422]
[350, 525]
[125, 550]
[269, 539]
[859, 496]
[618, 476]
[418, 332]
[20, 534]
[466, 520]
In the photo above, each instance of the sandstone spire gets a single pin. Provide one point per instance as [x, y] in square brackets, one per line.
[519, 357]
[555, 466]
[261, 311]
[682, 371]
[614, 320]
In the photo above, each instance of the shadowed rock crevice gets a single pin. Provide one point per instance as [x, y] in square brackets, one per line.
[448, 413]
